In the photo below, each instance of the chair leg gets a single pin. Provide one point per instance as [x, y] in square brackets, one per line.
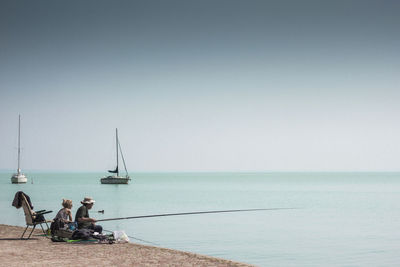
[44, 232]
[22, 236]
[32, 231]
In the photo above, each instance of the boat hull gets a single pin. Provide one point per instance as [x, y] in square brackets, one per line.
[19, 179]
[115, 180]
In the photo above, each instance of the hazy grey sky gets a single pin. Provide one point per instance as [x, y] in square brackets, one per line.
[201, 85]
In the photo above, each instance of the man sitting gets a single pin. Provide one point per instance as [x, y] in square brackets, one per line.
[82, 216]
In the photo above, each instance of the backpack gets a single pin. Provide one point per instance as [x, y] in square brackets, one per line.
[57, 224]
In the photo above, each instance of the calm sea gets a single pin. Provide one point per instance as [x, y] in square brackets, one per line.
[342, 219]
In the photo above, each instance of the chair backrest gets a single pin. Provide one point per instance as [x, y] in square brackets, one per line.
[29, 213]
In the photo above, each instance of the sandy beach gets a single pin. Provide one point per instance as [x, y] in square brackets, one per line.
[41, 251]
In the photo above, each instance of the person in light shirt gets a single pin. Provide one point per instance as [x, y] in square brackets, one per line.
[65, 214]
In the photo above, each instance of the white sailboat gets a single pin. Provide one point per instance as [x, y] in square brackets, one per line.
[19, 177]
[117, 179]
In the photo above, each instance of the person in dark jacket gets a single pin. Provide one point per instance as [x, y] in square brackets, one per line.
[82, 216]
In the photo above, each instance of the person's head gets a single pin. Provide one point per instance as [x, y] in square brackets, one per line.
[67, 203]
[88, 202]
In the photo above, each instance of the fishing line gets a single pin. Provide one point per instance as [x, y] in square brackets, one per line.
[135, 238]
[188, 213]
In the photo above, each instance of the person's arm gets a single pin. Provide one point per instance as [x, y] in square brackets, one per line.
[69, 213]
[82, 219]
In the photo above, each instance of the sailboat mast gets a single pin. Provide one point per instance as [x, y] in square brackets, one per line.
[116, 139]
[19, 144]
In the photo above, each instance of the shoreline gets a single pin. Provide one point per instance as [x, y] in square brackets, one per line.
[41, 251]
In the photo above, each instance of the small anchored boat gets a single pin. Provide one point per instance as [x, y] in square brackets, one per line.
[116, 178]
[19, 177]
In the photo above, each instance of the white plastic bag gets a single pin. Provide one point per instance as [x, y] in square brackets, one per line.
[120, 236]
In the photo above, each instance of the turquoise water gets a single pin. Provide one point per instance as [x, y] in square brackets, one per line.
[343, 219]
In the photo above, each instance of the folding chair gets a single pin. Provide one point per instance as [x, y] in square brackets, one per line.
[34, 218]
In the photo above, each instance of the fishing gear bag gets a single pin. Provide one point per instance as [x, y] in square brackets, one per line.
[83, 234]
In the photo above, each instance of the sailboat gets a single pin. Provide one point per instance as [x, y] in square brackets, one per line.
[19, 177]
[116, 178]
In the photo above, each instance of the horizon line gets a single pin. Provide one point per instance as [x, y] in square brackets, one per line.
[208, 171]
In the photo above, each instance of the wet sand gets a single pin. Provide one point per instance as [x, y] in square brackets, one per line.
[41, 251]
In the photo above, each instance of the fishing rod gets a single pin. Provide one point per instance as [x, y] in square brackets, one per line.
[188, 213]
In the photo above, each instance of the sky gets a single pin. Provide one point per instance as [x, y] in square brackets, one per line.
[201, 85]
